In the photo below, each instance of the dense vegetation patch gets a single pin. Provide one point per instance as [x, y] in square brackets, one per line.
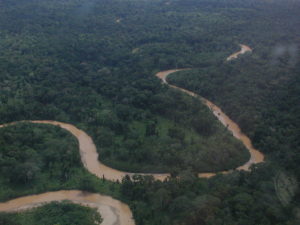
[234, 199]
[190, 138]
[35, 158]
[70, 60]
[260, 93]
[69, 71]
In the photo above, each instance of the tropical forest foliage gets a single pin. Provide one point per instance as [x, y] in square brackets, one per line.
[92, 63]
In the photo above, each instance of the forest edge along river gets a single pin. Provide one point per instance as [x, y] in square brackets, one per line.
[113, 211]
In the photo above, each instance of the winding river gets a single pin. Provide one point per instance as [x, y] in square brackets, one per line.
[113, 211]
[244, 49]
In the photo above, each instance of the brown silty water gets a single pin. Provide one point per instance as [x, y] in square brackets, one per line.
[113, 211]
[89, 155]
[255, 155]
[244, 49]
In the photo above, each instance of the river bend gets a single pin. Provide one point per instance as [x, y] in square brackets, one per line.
[113, 211]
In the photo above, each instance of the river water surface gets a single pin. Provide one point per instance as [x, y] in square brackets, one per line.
[113, 211]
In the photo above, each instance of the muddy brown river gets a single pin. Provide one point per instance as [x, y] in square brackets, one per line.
[244, 49]
[113, 211]
[255, 155]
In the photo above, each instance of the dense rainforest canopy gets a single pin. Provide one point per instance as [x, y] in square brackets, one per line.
[92, 64]
[72, 75]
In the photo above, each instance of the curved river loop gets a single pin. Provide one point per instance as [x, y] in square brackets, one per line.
[111, 210]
